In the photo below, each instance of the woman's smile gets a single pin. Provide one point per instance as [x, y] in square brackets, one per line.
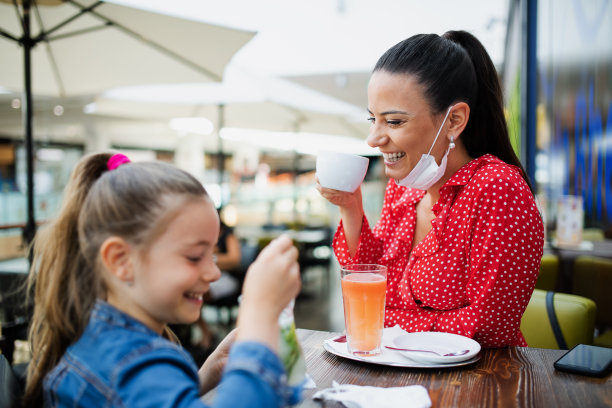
[392, 158]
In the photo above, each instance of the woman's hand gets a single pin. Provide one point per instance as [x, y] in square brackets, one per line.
[271, 282]
[340, 198]
[351, 212]
[211, 370]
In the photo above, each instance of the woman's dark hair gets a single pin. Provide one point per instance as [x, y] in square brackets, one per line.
[456, 67]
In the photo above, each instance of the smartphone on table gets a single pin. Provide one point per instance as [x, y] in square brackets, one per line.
[587, 360]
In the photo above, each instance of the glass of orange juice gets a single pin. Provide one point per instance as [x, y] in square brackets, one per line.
[363, 295]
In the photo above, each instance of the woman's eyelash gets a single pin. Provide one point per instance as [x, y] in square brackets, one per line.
[372, 120]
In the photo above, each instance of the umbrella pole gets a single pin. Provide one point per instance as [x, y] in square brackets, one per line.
[30, 228]
[220, 156]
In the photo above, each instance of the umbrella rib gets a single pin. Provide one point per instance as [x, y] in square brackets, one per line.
[8, 35]
[20, 18]
[78, 32]
[54, 67]
[82, 10]
[19, 15]
[151, 43]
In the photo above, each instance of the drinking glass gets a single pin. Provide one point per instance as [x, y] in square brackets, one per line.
[363, 296]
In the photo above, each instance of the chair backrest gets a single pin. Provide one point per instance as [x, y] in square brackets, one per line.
[592, 278]
[248, 254]
[593, 234]
[10, 389]
[549, 270]
[575, 314]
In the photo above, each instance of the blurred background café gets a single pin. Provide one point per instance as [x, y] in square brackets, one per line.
[242, 94]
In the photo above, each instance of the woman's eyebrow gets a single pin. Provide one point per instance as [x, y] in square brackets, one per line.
[390, 112]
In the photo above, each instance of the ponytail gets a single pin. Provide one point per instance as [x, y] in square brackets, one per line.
[456, 68]
[129, 202]
[487, 129]
[65, 289]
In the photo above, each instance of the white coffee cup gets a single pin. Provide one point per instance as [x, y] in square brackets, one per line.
[341, 171]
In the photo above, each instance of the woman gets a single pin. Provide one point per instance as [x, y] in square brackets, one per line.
[459, 230]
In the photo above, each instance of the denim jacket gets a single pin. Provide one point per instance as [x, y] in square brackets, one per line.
[120, 362]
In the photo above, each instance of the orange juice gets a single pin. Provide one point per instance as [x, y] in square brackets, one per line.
[363, 295]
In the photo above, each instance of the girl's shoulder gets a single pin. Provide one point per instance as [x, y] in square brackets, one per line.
[113, 340]
[114, 363]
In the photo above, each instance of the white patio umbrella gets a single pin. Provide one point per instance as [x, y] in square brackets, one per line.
[262, 115]
[243, 117]
[71, 47]
[243, 100]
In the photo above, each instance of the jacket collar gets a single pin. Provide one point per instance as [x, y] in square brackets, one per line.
[448, 192]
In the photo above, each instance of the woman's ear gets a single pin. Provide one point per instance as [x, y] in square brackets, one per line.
[458, 119]
[115, 254]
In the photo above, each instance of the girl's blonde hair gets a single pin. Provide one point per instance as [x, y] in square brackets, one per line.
[129, 202]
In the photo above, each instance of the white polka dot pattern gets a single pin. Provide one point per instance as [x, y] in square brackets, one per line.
[474, 272]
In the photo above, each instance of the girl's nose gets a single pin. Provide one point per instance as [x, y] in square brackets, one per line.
[211, 273]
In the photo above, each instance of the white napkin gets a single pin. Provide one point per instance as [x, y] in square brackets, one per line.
[357, 396]
[309, 383]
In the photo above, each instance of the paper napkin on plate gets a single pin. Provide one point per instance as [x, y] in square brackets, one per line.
[393, 358]
[357, 396]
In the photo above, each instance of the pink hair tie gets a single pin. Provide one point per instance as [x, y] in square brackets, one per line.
[116, 160]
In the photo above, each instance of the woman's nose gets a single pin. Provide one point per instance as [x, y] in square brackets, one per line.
[376, 138]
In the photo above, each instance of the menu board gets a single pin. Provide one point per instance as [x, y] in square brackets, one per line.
[570, 216]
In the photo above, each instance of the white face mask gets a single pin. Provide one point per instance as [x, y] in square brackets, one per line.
[427, 172]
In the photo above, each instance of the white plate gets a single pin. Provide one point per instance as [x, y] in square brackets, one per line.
[395, 358]
[437, 341]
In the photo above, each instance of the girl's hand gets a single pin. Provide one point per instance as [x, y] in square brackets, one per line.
[271, 282]
[211, 370]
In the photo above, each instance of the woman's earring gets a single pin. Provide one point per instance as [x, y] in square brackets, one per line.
[452, 143]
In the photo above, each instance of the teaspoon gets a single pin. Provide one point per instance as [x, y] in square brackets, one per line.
[456, 353]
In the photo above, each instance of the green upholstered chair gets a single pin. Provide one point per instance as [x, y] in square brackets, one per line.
[592, 278]
[549, 270]
[593, 234]
[575, 314]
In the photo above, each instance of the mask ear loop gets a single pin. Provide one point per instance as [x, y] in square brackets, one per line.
[439, 130]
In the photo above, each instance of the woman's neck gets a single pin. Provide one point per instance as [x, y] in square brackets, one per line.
[457, 158]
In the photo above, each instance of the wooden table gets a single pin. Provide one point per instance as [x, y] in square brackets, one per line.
[505, 377]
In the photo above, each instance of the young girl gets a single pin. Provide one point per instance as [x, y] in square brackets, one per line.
[130, 252]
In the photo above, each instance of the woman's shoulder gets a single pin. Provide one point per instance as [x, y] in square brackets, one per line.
[492, 171]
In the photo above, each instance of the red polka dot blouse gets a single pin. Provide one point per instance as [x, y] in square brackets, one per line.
[474, 272]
